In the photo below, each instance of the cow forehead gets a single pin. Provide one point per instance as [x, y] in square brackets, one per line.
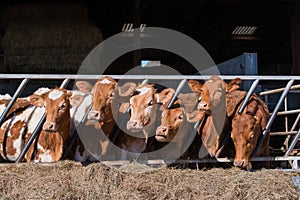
[143, 90]
[41, 91]
[105, 81]
[55, 94]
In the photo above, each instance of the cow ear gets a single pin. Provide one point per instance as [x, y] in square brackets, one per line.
[233, 85]
[76, 100]
[84, 86]
[195, 116]
[195, 86]
[37, 100]
[127, 89]
[165, 96]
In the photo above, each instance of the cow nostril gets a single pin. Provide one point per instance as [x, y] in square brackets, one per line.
[204, 105]
[51, 126]
[96, 114]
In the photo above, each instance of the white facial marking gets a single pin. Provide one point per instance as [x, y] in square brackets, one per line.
[143, 90]
[105, 81]
[41, 91]
[55, 94]
[5, 97]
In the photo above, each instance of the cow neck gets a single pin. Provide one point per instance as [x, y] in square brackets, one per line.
[107, 126]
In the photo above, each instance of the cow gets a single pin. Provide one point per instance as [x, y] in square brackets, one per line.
[17, 129]
[107, 97]
[214, 123]
[247, 127]
[143, 108]
[176, 129]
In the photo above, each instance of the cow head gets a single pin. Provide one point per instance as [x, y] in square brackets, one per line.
[143, 104]
[57, 106]
[211, 94]
[246, 130]
[171, 120]
[105, 93]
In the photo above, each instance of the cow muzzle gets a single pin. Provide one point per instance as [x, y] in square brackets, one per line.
[94, 115]
[134, 126]
[161, 133]
[203, 106]
[50, 127]
[242, 164]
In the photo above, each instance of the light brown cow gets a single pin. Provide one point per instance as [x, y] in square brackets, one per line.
[143, 105]
[247, 127]
[212, 106]
[17, 129]
[107, 98]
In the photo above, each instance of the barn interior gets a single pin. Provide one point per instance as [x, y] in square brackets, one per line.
[55, 36]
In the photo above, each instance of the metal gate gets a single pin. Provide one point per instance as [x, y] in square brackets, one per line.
[291, 132]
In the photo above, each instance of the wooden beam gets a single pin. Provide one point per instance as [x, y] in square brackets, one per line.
[295, 29]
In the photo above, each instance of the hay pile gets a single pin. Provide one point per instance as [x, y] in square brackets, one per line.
[67, 180]
[47, 38]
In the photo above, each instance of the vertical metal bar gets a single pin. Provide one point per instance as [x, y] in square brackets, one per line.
[74, 135]
[179, 87]
[294, 142]
[250, 92]
[272, 118]
[286, 116]
[286, 142]
[13, 99]
[37, 129]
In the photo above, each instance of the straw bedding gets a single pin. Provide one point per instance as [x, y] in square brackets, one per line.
[69, 180]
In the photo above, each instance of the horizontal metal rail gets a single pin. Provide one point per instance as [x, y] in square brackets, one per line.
[205, 160]
[294, 87]
[288, 112]
[137, 77]
[283, 133]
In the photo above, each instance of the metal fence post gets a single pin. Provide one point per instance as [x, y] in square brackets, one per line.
[272, 118]
[13, 99]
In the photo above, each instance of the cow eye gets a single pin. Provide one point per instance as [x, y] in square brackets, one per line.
[200, 98]
[112, 94]
[63, 106]
[180, 116]
[150, 103]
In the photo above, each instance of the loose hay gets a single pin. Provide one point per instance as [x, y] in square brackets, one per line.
[69, 180]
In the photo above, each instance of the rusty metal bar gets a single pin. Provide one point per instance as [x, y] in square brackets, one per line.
[37, 129]
[283, 133]
[272, 118]
[294, 142]
[179, 88]
[250, 92]
[288, 112]
[13, 99]
[294, 87]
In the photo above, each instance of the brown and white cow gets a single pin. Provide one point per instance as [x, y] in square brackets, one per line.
[143, 108]
[16, 130]
[109, 102]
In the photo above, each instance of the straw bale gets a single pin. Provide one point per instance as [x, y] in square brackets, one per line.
[47, 38]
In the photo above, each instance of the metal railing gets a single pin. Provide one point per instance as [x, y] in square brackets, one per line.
[67, 77]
